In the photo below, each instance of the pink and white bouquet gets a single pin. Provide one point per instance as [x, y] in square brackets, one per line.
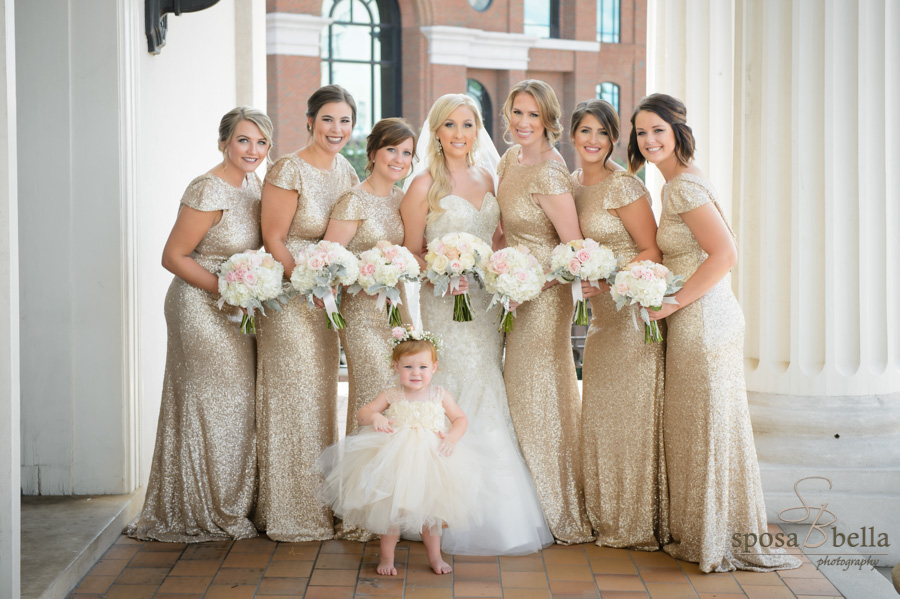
[577, 261]
[513, 274]
[381, 269]
[451, 257]
[646, 284]
[321, 266]
[251, 280]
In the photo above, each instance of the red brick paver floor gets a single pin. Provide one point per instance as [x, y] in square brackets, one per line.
[343, 569]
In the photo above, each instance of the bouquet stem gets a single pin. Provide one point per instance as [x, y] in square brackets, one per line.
[462, 308]
[581, 314]
[507, 321]
[248, 325]
[394, 316]
[652, 333]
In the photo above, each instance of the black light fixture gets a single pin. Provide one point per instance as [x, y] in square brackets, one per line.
[155, 12]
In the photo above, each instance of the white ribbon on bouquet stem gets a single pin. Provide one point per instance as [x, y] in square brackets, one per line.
[380, 299]
[576, 289]
[330, 306]
[454, 283]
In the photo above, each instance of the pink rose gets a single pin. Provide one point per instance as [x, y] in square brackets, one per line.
[232, 276]
[399, 263]
[646, 274]
[661, 271]
[574, 266]
[249, 278]
[368, 269]
[463, 246]
[390, 252]
[316, 262]
[583, 255]
[398, 332]
[590, 244]
[622, 287]
[439, 248]
[456, 266]
[500, 266]
[521, 275]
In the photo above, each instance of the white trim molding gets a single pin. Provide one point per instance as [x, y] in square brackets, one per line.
[290, 34]
[478, 49]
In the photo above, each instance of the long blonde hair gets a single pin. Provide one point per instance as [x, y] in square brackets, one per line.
[437, 167]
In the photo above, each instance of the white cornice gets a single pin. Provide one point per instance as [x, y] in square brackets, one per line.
[478, 49]
[290, 34]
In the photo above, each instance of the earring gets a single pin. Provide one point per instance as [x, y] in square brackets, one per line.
[308, 128]
[440, 148]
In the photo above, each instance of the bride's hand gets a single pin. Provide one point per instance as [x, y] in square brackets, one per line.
[463, 287]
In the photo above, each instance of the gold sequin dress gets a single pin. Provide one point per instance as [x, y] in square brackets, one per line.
[539, 371]
[621, 413]
[296, 391]
[203, 475]
[714, 485]
[366, 338]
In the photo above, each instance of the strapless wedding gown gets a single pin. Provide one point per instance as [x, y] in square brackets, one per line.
[471, 369]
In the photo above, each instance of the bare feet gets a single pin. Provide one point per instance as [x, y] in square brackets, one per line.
[440, 566]
[386, 567]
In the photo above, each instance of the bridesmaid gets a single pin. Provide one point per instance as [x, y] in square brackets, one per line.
[203, 476]
[714, 485]
[298, 355]
[538, 211]
[624, 469]
[363, 216]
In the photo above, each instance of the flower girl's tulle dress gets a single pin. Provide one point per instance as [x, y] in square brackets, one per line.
[397, 482]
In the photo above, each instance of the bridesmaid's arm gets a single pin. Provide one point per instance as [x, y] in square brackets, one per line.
[414, 211]
[712, 234]
[278, 209]
[189, 229]
[341, 231]
[637, 217]
[560, 209]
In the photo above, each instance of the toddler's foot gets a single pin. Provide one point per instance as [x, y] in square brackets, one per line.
[386, 568]
[440, 566]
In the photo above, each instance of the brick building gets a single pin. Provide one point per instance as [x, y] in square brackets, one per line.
[398, 56]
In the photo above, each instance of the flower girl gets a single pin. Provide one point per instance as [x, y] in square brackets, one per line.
[403, 470]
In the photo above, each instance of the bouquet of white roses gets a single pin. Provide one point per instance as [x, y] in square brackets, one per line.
[321, 266]
[453, 256]
[581, 260]
[646, 284]
[513, 274]
[381, 269]
[251, 280]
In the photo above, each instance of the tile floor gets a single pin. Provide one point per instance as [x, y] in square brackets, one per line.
[343, 569]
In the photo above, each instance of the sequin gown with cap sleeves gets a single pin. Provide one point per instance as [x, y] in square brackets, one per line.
[624, 468]
[471, 369]
[297, 372]
[366, 338]
[397, 482]
[539, 371]
[203, 475]
[714, 485]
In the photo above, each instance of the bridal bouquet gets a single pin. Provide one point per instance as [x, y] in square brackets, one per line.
[321, 266]
[453, 256]
[581, 260]
[251, 280]
[513, 274]
[646, 284]
[381, 269]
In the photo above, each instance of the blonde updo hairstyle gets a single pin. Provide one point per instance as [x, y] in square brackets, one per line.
[548, 108]
[437, 168]
[233, 117]
[388, 132]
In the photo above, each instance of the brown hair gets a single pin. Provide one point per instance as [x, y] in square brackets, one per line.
[388, 132]
[672, 111]
[413, 346]
[604, 112]
[325, 95]
[548, 107]
[235, 116]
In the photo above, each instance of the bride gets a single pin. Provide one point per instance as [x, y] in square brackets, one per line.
[455, 193]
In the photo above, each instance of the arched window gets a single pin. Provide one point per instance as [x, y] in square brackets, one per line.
[610, 92]
[361, 52]
[542, 18]
[477, 92]
[608, 21]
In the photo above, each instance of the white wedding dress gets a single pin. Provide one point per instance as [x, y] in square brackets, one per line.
[471, 369]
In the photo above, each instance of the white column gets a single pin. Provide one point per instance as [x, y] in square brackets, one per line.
[250, 53]
[9, 309]
[807, 163]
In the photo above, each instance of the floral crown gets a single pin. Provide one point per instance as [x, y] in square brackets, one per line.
[408, 332]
